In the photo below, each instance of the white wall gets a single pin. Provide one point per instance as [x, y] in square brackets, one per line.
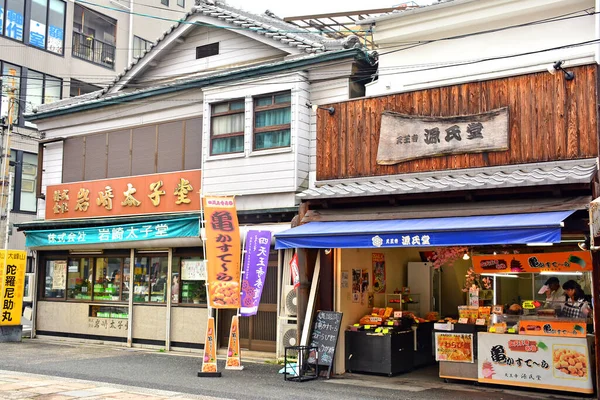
[426, 65]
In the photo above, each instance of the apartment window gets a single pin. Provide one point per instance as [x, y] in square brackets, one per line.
[181, 3]
[140, 45]
[272, 116]
[94, 36]
[23, 166]
[41, 89]
[13, 19]
[227, 128]
[79, 87]
[207, 50]
[11, 88]
[164, 2]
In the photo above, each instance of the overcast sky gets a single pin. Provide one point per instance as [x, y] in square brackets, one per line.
[286, 8]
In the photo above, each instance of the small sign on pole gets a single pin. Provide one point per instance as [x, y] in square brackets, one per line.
[234, 360]
[209, 362]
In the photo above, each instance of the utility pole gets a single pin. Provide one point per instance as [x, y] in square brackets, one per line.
[11, 88]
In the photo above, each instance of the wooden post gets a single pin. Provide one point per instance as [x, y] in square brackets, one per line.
[306, 264]
[596, 307]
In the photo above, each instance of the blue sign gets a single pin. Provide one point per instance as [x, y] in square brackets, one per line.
[1, 20]
[14, 25]
[55, 39]
[37, 34]
[167, 229]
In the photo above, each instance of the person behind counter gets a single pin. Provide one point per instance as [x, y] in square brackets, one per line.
[575, 306]
[554, 294]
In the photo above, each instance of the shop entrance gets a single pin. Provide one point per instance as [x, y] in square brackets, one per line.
[259, 332]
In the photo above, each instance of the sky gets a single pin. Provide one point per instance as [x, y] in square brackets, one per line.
[287, 8]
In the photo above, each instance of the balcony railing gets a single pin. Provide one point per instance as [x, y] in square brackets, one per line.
[93, 50]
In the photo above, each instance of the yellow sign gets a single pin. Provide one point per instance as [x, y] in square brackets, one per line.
[454, 347]
[12, 284]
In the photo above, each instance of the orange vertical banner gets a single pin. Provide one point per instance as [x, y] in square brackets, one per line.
[233, 350]
[209, 363]
[223, 252]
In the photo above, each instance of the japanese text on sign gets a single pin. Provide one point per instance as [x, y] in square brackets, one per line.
[12, 283]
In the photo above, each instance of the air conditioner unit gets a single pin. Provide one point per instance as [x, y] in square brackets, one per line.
[290, 300]
[288, 337]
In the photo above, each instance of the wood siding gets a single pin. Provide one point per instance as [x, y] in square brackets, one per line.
[550, 119]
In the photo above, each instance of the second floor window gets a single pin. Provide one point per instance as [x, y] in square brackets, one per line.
[227, 128]
[23, 166]
[41, 89]
[140, 45]
[272, 117]
[94, 36]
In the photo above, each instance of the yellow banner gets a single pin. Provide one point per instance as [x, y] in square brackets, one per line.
[12, 284]
[209, 363]
[223, 252]
[233, 350]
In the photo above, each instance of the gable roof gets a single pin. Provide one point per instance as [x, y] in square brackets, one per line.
[286, 35]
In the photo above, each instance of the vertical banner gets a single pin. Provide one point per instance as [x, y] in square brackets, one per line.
[209, 363]
[256, 259]
[233, 350]
[295, 271]
[12, 284]
[378, 260]
[223, 252]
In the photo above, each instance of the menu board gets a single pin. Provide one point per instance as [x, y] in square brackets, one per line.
[547, 362]
[454, 347]
[325, 335]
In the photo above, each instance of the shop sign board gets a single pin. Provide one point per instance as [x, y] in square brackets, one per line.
[193, 270]
[256, 260]
[164, 229]
[454, 347]
[570, 261]
[562, 328]
[209, 362]
[145, 194]
[223, 251]
[409, 137]
[12, 286]
[594, 211]
[535, 361]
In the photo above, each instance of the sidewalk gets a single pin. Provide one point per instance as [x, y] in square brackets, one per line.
[18, 385]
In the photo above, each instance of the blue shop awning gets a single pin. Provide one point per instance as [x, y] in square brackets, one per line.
[426, 232]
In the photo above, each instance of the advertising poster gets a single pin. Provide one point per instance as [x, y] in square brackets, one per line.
[356, 285]
[454, 347]
[295, 272]
[364, 286]
[37, 34]
[209, 363]
[55, 39]
[193, 270]
[223, 252]
[537, 361]
[571, 261]
[59, 275]
[14, 25]
[233, 350]
[256, 260]
[12, 285]
[378, 272]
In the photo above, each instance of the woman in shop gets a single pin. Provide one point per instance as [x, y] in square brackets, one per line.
[575, 306]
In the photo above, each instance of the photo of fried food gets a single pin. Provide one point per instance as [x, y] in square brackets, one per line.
[570, 362]
[233, 362]
[209, 368]
[226, 293]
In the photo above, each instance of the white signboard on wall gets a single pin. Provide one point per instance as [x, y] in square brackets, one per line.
[193, 270]
[59, 275]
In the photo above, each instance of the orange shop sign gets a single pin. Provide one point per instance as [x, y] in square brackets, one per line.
[569, 261]
[223, 252]
[145, 194]
[553, 328]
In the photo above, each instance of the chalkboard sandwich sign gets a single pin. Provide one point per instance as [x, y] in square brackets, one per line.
[325, 332]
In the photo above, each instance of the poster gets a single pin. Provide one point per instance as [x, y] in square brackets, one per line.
[55, 39]
[209, 363]
[536, 361]
[12, 285]
[256, 260]
[378, 260]
[295, 271]
[570, 261]
[193, 270]
[356, 285]
[37, 34]
[59, 275]
[223, 252]
[364, 286]
[233, 349]
[14, 25]
[345, 280]
[454, 347]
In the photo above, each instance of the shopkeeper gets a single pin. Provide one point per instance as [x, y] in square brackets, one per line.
[555, 296]
[575, 306]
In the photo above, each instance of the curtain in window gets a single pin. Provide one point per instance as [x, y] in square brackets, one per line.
[234, 144]
[266, 140]
[279, 138]
[225, 125]
[278, 116]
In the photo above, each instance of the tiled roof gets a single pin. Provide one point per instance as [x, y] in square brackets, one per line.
[534, 174]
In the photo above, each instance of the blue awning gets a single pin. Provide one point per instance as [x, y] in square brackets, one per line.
[427, 232]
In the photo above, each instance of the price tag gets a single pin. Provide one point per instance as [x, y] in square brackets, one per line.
[390, 323]
[357, 325]
[386, 330]
[397, 314]
[511, 330]
[463, 320]
[377, 330]
[493, 329]
[367, 326]
[480, 321]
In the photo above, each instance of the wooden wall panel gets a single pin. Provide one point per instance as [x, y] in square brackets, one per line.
[550, 119]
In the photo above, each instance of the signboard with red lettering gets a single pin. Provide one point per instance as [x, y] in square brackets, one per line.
[547, 362]
[12, 284]
[454, 347]
[209, 362]
[223, 252]
[569, 261]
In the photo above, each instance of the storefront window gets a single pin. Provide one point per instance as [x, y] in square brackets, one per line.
[79, 279]
[107, 279]
[56, 273]
[192, 291]
[150, 279]
[140, 280]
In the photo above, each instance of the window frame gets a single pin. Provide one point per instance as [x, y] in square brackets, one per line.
[3, 30]
[45, 79]
[271, 128]
[164, 3]
[231, 134]
[181, 3]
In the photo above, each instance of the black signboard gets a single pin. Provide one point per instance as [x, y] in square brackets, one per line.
[324, 337]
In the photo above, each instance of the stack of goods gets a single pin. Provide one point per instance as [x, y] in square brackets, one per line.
[385, 320]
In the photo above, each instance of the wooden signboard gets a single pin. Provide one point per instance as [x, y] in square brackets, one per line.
[409, 137]
[324, 336]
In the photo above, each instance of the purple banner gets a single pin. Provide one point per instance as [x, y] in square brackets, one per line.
[258, 245]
